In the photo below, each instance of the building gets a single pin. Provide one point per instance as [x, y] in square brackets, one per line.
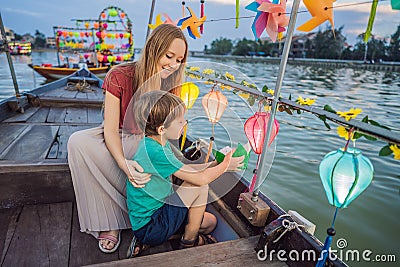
[9, 34]
[51, 42]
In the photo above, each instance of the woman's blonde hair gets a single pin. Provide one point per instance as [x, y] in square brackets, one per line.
[157, 108]
[155, 48]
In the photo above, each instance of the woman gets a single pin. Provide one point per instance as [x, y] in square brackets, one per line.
[98, 157]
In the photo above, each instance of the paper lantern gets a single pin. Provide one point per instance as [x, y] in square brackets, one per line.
[122, 15]
[214, 104]
[82, 34]
[96, 25]
[256, 128]
[76, 34]
[121, 35]
[103, 15]
[345, 175]
[64, 34]
[86, 56]
[100, 57]
[98, 34]
[189, 94]
[105, 26]
[113, 12]
[87, 25]
[103, 35]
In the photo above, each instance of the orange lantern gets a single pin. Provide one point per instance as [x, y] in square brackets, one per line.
[96, 25]
[122, 15]
[100, 57]
[103, 15]
[214, 103]
[189, 94]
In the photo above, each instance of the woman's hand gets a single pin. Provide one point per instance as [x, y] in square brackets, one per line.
[135, 174]
[233, 163]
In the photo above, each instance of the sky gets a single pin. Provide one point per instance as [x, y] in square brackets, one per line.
[26, 16]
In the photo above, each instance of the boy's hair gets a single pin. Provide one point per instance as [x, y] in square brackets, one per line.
[156, 108]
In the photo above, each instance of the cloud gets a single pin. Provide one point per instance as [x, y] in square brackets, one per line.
[23, 12]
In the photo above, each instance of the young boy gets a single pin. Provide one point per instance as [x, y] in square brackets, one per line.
[156, 211]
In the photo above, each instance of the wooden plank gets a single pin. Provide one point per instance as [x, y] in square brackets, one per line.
[54, 93]
[63, 136]
[33, 145]
[81, 95]
[76, 115]
[238, 252]
[42, 236]
[56, 114]
[68, 93]
[96, 95]
[8, 223]
[53, 152]
[70, 102]
[8, 134]
[40, 116]
[23, 117]
[94, 115]
[84, 247]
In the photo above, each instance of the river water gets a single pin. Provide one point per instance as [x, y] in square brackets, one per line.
[371, 221]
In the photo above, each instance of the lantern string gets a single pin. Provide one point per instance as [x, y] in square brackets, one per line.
[350, 135]
[334, 216]
[328, 241]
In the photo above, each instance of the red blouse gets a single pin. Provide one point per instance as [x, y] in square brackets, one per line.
[119, 82]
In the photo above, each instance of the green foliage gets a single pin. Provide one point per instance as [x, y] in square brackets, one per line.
[221, 46]
[40, 39]
[329, 44]
[394, 46]
[385, 151]
[329, 109]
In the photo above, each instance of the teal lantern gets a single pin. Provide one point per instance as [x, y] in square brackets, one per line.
[345, 175]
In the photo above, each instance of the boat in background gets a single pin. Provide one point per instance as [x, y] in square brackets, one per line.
[99, 43]
[20, 48]
[51, 72]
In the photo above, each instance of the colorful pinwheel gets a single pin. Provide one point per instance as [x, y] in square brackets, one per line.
[191, 22]
[159, 21]
[277, 19]
[321, 11]
[261, 19]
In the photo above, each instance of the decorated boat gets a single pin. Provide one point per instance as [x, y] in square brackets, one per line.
[95, 44]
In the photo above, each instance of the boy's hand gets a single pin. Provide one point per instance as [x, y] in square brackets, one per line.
[233, 163]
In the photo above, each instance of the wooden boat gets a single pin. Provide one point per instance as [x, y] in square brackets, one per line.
[58, 72]
[38, 217]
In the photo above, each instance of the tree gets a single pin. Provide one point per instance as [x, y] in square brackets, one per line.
[221, 46]
[329, 44]
[394, 46]
[40, 39]
[376, 49]
[245, 47]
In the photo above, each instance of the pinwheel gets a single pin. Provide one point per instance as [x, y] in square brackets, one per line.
[189, 94]
[277, 19]
[191, 22]
[345, 174]
[320, 11]
[261, 19]
[214, 104]
[159, 21]
[255, 129]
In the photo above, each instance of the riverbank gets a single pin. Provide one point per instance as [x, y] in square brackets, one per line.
[323, 63]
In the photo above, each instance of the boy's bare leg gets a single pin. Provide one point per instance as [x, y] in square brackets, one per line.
[194, 198]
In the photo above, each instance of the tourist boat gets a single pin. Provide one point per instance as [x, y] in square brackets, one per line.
[38, 215]
[86, 44]
[20, 48]
[51, 72]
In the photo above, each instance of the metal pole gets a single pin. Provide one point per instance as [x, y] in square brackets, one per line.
[153, 2]
[10, 63]
[365, 53]
[277, 92]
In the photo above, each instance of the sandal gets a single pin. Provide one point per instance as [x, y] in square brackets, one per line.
[135, 245]
[206, 239]
[116, 241]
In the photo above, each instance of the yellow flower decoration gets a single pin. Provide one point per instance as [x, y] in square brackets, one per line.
[208, 71]
[344, 133]
[194, 68]
[194, 76]
[396, 151]
[306, 101]
[351, 114]
[223, 87]
[246, 83]
[209, 82]
[229, 76]
[244, 95]
[267, 108]
[271, 91]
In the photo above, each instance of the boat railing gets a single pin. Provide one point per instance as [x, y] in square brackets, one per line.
[359, 126]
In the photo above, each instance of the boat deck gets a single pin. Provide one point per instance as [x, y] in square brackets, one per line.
[48, 235]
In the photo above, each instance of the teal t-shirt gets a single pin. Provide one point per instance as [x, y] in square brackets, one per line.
[161, 163]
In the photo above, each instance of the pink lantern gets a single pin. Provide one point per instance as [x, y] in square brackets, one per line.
[214, 103]
[86, 56]
[121, 35]
[98, 34]
[105, 26]
[256, 128]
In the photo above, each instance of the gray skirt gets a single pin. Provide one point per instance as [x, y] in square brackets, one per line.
[98, 182]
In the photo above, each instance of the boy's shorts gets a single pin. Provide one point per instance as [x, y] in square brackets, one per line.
[164, 223]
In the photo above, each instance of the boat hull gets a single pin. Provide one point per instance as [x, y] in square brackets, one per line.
[55, 73]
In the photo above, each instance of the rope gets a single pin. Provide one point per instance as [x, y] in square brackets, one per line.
[81, 86]
[289, 226]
